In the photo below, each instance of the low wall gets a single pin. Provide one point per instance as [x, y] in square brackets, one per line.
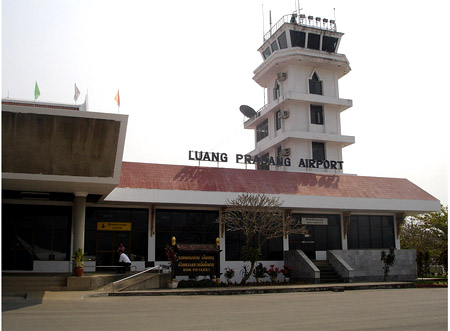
[367, 264]
[341, 266]
[304, 269]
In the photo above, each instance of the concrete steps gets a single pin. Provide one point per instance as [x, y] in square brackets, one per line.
[20, 285]
[327, 273]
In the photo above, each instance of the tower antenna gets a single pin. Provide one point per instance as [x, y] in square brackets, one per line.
[262, 7]
[270, 21]
[334, 13]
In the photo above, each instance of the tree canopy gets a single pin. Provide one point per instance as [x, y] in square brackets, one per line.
[259, 218]
[428, 234]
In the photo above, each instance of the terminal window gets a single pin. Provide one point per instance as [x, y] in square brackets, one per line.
[264, 165]
[318, 151]
[315, 85]
[276, 91]
[278, 120]
[262, 130]
[316, 114]
[372, 231]
[187, 226]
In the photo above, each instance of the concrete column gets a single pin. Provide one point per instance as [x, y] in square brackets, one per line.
[151, 234]
[345, 221]
[79, 220]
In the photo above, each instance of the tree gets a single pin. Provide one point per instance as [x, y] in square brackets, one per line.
[388, 261]
[428, 234]
[259, 218]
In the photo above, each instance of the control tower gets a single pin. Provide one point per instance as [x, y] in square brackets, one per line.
[299, 129]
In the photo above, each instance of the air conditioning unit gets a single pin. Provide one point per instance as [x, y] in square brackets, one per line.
[284, 114]
[285, 152]
[281, 76]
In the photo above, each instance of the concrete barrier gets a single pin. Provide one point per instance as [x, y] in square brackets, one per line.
[304, 269]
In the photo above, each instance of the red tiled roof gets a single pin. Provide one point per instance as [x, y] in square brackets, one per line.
[178, 177]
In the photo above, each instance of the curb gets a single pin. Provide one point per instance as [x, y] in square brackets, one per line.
[262, 290]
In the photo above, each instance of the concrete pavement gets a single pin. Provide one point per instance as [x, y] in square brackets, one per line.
[399, 309]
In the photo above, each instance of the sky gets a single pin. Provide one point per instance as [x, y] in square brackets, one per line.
[183, 68]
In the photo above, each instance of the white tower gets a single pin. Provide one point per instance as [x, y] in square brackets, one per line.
[299, 128]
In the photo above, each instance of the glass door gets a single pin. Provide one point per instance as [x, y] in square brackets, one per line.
[107, 244]
[307, 243]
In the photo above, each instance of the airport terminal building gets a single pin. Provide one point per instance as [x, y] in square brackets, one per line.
[65, 185]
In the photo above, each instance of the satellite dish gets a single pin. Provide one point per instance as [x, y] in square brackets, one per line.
[247, 111]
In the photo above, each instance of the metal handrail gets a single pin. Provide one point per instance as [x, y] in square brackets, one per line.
[300, 20]
[258, 113]
[138, 274]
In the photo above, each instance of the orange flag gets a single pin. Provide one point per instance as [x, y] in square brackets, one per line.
[117, 98]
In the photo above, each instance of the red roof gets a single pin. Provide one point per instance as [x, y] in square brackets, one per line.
[179, 177]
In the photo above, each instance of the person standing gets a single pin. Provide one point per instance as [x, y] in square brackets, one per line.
[121, 248]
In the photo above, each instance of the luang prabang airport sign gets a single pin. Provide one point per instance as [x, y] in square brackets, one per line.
[265, 160]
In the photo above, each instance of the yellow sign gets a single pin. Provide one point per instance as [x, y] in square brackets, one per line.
[114, 226]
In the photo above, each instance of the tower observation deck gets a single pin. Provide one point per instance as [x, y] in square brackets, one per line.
[299, 128]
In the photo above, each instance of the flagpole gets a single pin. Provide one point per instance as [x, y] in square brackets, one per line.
[117, 99]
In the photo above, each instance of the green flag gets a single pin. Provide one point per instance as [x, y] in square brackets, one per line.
[37, 93]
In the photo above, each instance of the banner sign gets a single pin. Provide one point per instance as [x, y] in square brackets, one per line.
[114, 226]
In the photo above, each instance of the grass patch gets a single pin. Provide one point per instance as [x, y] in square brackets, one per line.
[431, 282]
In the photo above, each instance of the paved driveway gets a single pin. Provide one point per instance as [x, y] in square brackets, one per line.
[395, 309]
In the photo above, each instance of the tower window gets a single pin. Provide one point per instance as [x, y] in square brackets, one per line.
[313, 41]
[282, 41]
[329, 44]
[298, 38]
[279, 150]
[318, 151]
[262, 130]
[276, 91]
[316, 114]
[278, 120]
[274, 46]
[264, 164]
[266, 53]
[315, 85]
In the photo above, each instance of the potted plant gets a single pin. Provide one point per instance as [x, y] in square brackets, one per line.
[78, 262]
[273, 273]
[259, 272]
[287, 272]
[229, 274]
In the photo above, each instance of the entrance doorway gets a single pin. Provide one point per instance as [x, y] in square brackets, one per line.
[107, 244]
[324, 233]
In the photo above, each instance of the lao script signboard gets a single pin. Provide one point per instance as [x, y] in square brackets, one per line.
[197, 260]
[314, 221]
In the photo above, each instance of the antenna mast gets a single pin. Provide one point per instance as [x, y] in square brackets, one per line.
[270, 21]
[262, 7]
[334, 13]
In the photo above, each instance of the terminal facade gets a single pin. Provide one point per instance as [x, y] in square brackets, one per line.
[65, 185]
